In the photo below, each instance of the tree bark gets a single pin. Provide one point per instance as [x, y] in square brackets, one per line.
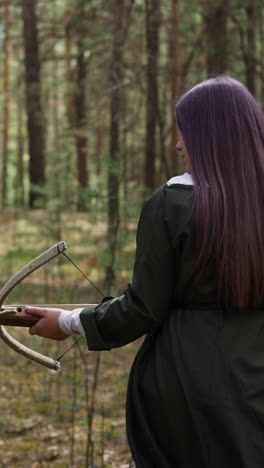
[35, 117]
[215, 18]
[175, 79]
[75, 24]
[100, 134]
[261, 38]
[80, 104]
[68, 64]
[80, 130]
[250, 56]
[6, 101]
[113, 178]
[152, 8]
[20, 186]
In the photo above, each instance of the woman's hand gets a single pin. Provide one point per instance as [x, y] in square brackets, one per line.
[48, 324]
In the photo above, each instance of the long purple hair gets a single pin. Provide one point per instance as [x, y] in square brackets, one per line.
[223, 130]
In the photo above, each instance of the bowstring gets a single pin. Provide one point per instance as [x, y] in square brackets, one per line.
[70, 347]
[97, 289]
[85, 276]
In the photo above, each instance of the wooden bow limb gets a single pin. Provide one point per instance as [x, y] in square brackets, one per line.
[36, 263]
[27, 352]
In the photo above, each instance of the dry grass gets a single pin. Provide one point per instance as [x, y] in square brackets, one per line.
[43, 415]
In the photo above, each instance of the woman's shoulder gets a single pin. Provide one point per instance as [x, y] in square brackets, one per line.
[174, 198]
[174, 186]
[176, 189]
[179, 191]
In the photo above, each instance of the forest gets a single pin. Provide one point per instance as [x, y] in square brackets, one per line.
[87, 132]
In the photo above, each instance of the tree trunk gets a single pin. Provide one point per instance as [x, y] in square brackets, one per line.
[58, 182]
[175, 79]
[68, 65]
[261, 38]
[80, 104]
[6, 101]
[215, 18]
[250, 56]
[99, 142]
[20, 185]
[116, 75]
[152, 40]
[35, 117]
[80, 130]
[164, 166]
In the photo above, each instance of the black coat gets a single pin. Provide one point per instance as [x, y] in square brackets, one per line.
[196, 388]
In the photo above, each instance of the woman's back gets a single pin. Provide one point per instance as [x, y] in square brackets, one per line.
[196, 390]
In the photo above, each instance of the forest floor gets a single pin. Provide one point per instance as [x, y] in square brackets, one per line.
[45, 416]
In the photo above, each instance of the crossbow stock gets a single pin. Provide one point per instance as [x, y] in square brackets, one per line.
[16, 315]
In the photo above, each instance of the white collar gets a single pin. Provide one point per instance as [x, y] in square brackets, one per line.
[185, 179]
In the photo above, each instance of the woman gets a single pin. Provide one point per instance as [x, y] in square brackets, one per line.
[196, 388]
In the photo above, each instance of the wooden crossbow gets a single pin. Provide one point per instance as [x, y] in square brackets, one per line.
[16, 315]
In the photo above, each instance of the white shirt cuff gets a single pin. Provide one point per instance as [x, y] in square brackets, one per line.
[70, 322]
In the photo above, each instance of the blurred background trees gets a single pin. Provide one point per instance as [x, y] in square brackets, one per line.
[90, 85]
[88, 90]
